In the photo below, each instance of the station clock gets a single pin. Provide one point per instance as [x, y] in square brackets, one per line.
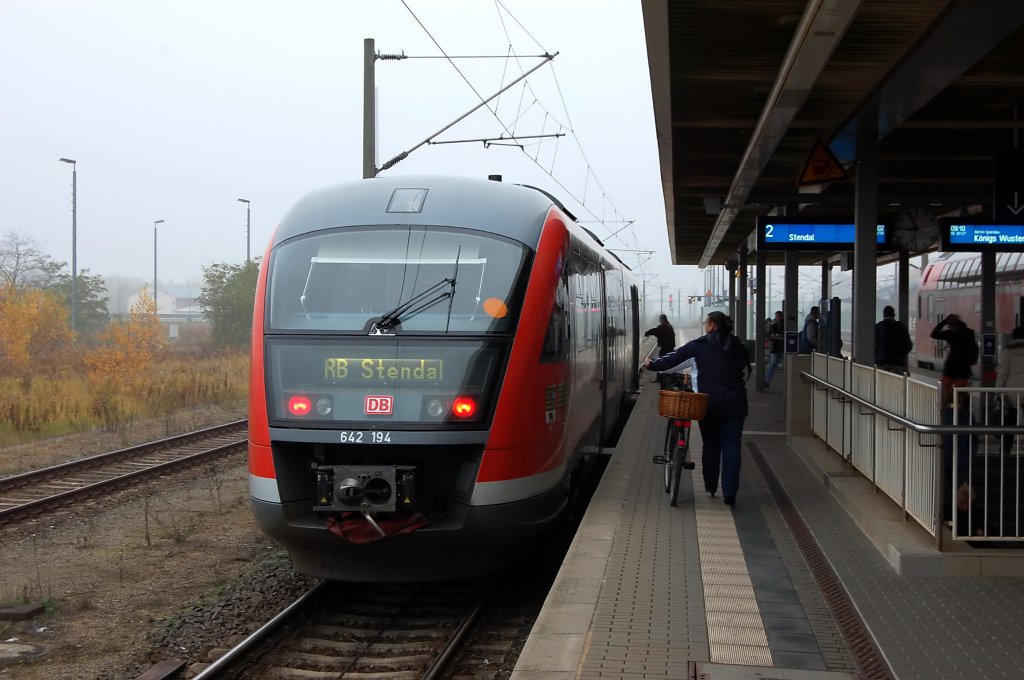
[916, 229]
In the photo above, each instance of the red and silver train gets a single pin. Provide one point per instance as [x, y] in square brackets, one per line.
[951, 284]
[433, 360]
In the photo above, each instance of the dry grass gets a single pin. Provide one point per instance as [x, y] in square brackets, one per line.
[38, 408]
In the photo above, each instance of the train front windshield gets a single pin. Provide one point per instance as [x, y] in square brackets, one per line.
[390, 325]
[452, 280]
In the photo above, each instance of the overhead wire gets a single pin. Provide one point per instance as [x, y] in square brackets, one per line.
[605, 200]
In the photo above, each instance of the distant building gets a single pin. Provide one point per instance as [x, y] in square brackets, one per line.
[177, 309]
[173, 301]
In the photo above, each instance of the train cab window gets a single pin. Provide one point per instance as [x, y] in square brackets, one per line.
[432, 279]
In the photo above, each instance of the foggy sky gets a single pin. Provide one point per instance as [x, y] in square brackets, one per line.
[174, 110]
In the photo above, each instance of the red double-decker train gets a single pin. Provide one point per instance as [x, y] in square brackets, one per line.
[951, 284]
[433, 361]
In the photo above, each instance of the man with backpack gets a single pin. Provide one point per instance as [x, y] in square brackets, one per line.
[892, 343]
[808, 338]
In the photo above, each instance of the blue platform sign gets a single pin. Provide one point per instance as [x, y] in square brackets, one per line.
[988, 344]
[792, 342]
[789, 233]
[976, 236]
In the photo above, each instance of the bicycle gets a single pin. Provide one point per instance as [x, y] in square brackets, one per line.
[680, 411]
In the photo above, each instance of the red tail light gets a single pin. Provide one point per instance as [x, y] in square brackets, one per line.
[299, 405]
[464, 407]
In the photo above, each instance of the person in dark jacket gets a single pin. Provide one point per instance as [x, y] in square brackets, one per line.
[777, 340]
[963, 353]
[664, 334]
[892, 343]
[723, 364]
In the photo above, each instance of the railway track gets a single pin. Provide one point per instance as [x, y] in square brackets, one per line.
[38, 491]
[335, 630]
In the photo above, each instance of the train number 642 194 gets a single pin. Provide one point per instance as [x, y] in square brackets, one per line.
[357, 437]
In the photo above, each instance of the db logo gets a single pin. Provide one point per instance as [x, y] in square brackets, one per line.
[381, 406]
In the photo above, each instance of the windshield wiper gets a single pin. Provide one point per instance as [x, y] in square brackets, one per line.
[451, 298]
[416, 304]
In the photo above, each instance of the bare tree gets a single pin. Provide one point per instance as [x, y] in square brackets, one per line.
[22, 263]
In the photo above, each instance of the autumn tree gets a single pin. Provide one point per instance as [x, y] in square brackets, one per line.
[24, 265]
[127, 348]
[35, 336]
[227, 300]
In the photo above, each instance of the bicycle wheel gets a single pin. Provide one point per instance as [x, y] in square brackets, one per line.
[678, 442]
[668, 458]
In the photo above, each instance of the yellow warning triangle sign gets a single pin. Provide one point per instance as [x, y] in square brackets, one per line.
[822, 166]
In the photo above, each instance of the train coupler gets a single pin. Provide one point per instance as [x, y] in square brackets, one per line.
[366, 489]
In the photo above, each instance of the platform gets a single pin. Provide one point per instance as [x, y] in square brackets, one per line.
[647, 590]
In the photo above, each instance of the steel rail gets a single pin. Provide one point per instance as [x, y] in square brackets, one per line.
[7, 514]
[14, 481]
[440, 664]
[434, 671]
[239, 650]
[112, 481]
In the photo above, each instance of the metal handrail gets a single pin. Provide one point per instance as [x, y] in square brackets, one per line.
[915, 426]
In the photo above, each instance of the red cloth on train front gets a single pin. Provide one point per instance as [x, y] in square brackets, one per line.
[353, 527]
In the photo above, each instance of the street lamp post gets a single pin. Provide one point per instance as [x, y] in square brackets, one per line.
[155, 308]
[74, 239]
[248, 214]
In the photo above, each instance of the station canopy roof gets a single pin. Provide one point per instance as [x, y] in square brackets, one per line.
[744, 89]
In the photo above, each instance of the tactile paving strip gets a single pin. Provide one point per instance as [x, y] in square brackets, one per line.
[736, 632]
[865, 651]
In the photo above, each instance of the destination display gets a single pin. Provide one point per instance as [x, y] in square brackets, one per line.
[974, 236]
[795, 233]
[344, 368]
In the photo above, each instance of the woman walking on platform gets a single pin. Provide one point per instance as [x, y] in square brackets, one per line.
[723, 364]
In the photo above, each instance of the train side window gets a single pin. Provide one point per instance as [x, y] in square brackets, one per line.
[931, 308]
[1013, 266]
[556, 339]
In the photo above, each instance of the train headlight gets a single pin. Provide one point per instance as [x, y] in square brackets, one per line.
[464, 407]
[324, 406]
[435, 408]
[299, 405]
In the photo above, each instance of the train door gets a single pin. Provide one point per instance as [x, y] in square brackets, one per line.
[634, 366]
[607, 352]
[615, 371]
[936, 310]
